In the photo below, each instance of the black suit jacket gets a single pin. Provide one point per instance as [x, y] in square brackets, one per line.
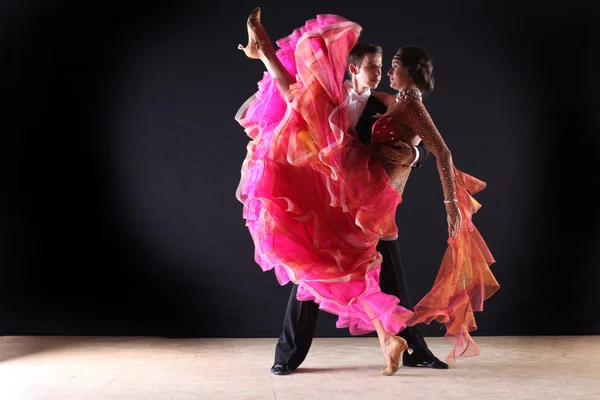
[364, 127]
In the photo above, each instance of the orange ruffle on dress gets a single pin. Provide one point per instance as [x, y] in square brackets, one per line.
[464, 280]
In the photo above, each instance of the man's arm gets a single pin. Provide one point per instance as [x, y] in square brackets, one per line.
[422, 154]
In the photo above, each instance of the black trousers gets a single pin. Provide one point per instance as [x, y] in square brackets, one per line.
[301, 316]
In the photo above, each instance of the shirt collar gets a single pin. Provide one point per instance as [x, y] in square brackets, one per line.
[355, 96]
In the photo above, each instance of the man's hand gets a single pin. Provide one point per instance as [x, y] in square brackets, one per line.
[400, 154]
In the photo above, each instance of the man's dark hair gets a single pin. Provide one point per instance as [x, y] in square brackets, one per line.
[359, 51]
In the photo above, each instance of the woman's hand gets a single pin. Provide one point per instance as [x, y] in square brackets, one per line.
[454, 219]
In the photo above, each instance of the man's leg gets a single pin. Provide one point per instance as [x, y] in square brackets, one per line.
[299, 326]
[393, 281]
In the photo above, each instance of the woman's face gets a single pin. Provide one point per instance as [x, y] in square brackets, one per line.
[399, 79]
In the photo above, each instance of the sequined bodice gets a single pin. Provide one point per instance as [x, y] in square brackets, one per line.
[388, 130]
[407, 120]
[395, 124]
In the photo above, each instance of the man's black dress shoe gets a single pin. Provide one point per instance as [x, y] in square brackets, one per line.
[429, 362]
[281, 369]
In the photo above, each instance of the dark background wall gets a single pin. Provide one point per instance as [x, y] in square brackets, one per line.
[121, 157]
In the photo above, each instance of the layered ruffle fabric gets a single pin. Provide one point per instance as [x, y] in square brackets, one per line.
[316, 202]
[464, 280]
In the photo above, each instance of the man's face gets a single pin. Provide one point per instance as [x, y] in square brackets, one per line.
[368, 74]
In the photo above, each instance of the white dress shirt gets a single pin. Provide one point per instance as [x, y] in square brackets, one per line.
[356, 103]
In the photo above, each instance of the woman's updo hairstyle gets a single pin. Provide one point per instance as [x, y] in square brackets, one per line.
[418, 65]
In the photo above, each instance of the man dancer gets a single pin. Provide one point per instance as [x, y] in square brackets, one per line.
[364, 66]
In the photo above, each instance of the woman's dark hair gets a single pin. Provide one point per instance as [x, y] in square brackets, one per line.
[418, 65]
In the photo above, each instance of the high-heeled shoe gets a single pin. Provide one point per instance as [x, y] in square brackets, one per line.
[398, 347]
[258, 40]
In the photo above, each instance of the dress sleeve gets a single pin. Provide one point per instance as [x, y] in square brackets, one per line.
[419, 120]
[387, 99]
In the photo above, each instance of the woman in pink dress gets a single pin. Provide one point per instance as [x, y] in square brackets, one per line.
[316, 201]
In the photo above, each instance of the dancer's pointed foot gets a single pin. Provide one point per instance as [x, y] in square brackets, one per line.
[393, 353]
[259, 43]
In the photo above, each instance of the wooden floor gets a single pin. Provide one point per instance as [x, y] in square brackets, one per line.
[120, 368]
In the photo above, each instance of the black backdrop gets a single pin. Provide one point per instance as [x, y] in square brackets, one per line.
[121, 158]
